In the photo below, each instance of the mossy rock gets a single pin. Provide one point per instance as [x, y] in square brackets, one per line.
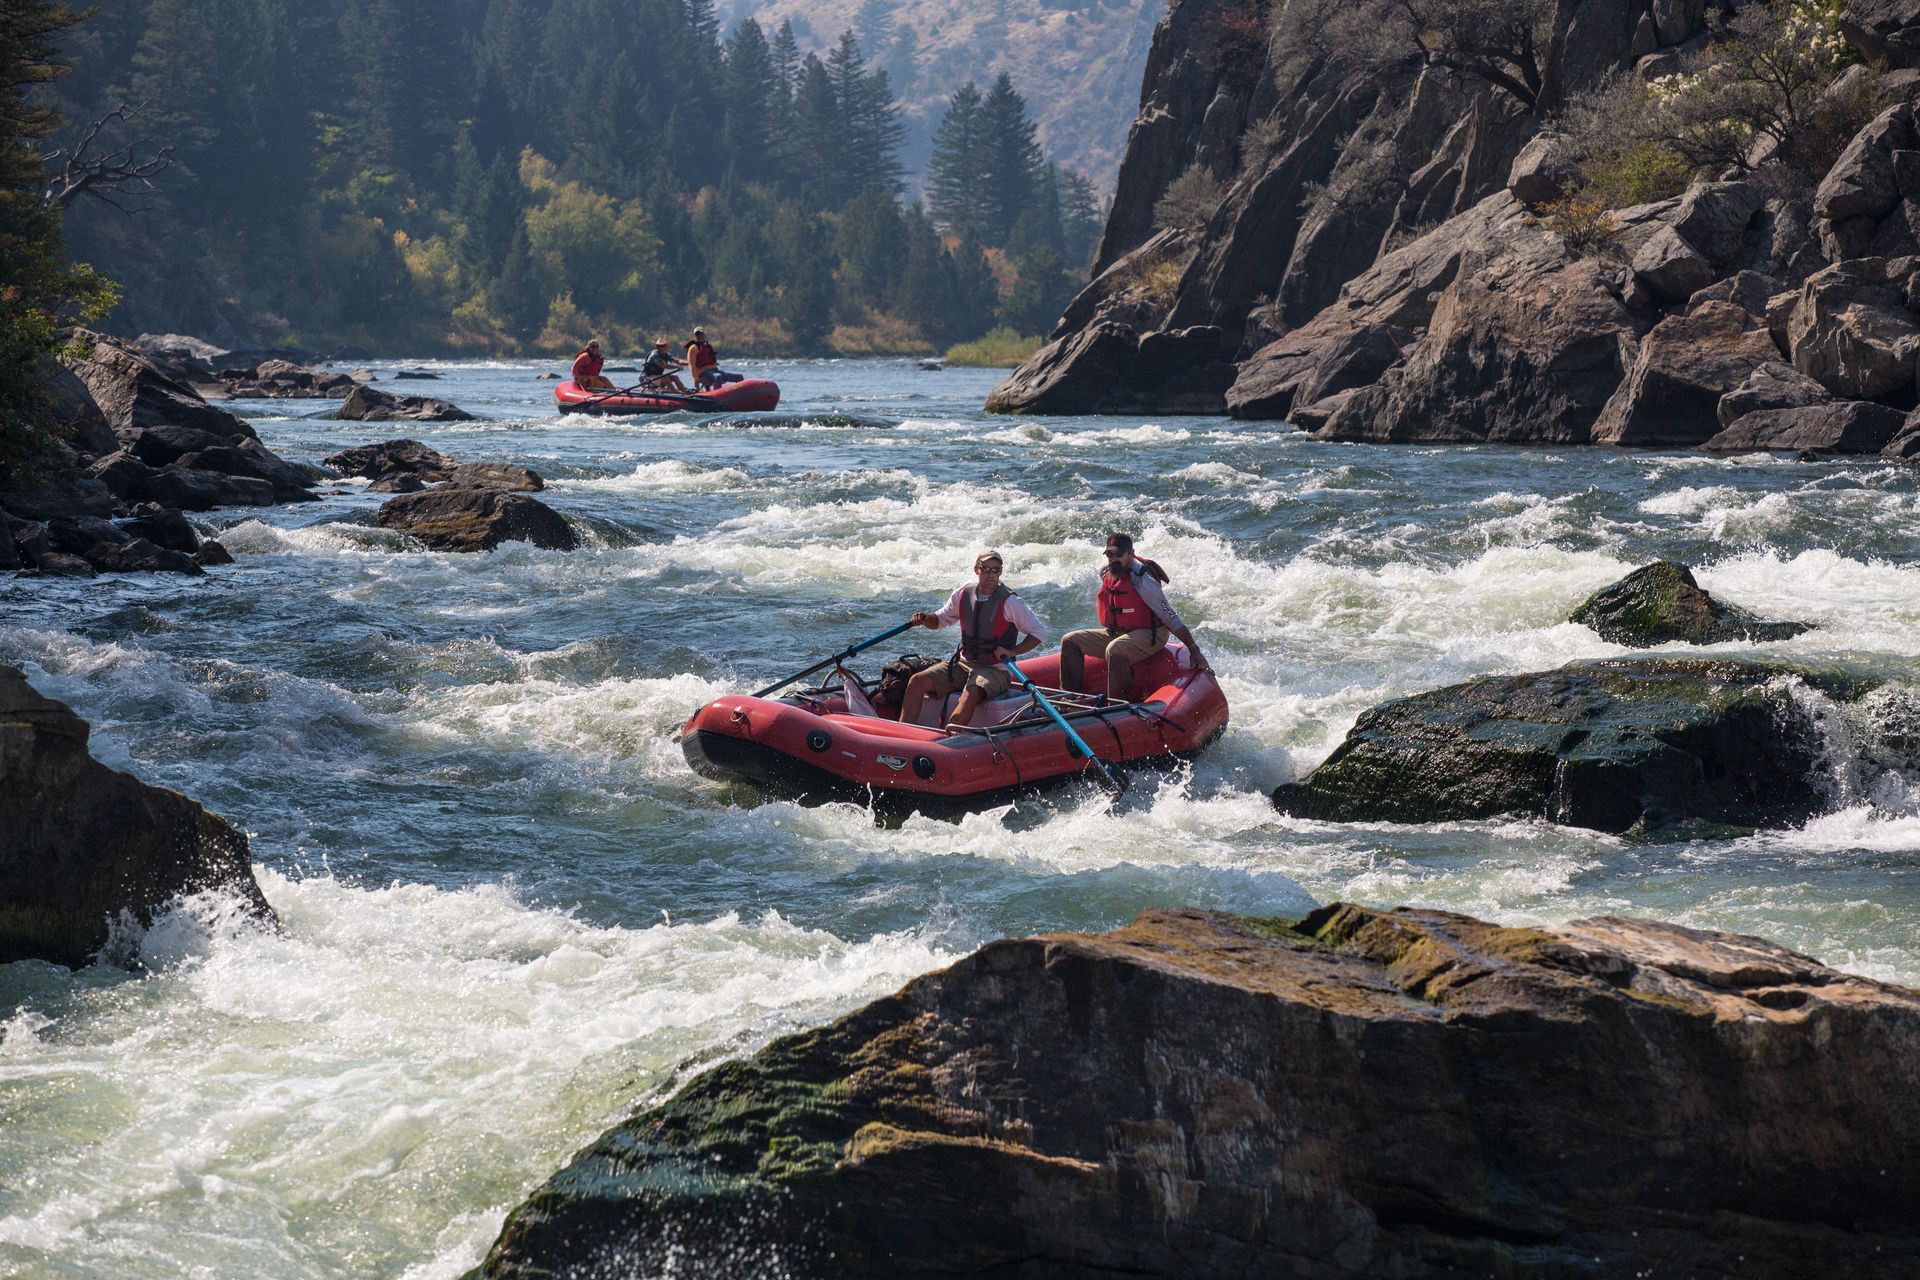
[1633, 745]
[1662, 603]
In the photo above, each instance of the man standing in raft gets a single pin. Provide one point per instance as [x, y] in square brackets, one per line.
[1135, 619]
[992, 621]
[586, 369]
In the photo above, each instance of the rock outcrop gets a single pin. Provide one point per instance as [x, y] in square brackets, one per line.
[1359, 1093]
[1662, 604]
[81, 844]
[475, 519]
[1629, 745]
[392, 457]
[1843, 426]
[152, 439]
[1109, 369]
[366, 404]
[1378, 265]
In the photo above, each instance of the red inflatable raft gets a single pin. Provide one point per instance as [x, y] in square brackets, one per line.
[834, 743]
[750, 395]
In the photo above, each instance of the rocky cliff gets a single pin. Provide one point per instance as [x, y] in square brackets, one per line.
[1357, 1094]
[82, 844]
[1383, 262]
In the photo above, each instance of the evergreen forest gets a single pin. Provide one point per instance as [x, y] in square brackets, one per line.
[508, 176]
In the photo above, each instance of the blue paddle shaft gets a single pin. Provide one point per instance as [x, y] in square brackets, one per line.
[1086, 752]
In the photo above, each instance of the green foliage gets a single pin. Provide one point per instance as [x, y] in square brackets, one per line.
[1000, 348]
[1638, 173]
[38, 290]
[475, 164]
[1582, 222]
[1189, 199]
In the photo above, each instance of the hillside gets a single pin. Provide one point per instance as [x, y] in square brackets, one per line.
[1077, 62]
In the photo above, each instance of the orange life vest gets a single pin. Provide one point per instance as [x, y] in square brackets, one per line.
[1121, 606]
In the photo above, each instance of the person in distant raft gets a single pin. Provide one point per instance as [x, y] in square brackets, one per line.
[703, 365]
[993, 620]
[660, 367]
[1135, 620]
[586, 369]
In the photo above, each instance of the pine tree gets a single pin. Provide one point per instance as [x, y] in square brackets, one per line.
[805, 267]
[1081, 219]
[870, 125]
[955, 177]
[785, 55]
[872, 241]
[873, 24]
[487, 208]
[1010, 169]
[903, 66]
[749, 105]
[816, 146]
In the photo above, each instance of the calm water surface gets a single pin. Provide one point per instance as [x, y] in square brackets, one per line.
[512, 913]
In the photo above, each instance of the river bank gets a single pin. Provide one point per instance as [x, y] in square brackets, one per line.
[509, 914]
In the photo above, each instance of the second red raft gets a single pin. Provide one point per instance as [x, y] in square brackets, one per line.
[834, 743]
[749, 395]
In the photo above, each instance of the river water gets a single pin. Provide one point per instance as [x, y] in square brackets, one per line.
[511, 913]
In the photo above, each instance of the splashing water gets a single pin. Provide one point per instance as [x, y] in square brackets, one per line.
[510, 913]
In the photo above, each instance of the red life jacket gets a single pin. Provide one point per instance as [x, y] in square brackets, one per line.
[984, 625]
[586, 365]
[1121, 606]
[700, 355]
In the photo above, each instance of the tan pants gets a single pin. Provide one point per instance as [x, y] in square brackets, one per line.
[957, 673]
[1121, 649]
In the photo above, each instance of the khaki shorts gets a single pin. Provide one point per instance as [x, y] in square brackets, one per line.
[957, 673]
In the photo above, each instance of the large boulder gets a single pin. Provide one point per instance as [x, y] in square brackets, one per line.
[374, 461]
[1631, 744]
[69, 411]
[1906, 442]
[1397, 295]
[81, 844]
[1526, 350]
[283, 379]
[134, 394]
[1683, 368]
[367, 404]
[1843, 426]
[1770, 385]
[1886, 32]
[1661, 604]
[291, 483]
[1850, 330]
[1355, 1094]
[189, 490]
[64, 493]
[1673, 269]
[449, 519]
[1108, 368]
[496, 475]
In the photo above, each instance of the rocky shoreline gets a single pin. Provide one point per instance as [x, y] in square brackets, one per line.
[1453, 304]
[135, 445]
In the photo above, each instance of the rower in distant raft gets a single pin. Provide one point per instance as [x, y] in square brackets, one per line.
[660, 390]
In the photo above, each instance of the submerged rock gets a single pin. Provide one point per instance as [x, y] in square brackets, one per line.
[449, 519]
[1661, 604]
[392, 457]
[365, 404]
[1636, 744]
[1360, 1093]
[80, 843]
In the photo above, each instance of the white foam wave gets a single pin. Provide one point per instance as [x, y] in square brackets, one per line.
[328, 1098]
[671, 475]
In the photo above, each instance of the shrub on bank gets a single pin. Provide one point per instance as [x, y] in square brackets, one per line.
[1000, 349]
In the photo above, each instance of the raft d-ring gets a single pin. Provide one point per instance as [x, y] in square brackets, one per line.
[740, 718]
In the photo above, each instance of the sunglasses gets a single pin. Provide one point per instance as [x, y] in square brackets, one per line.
[1114, 553]
[986, 568]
